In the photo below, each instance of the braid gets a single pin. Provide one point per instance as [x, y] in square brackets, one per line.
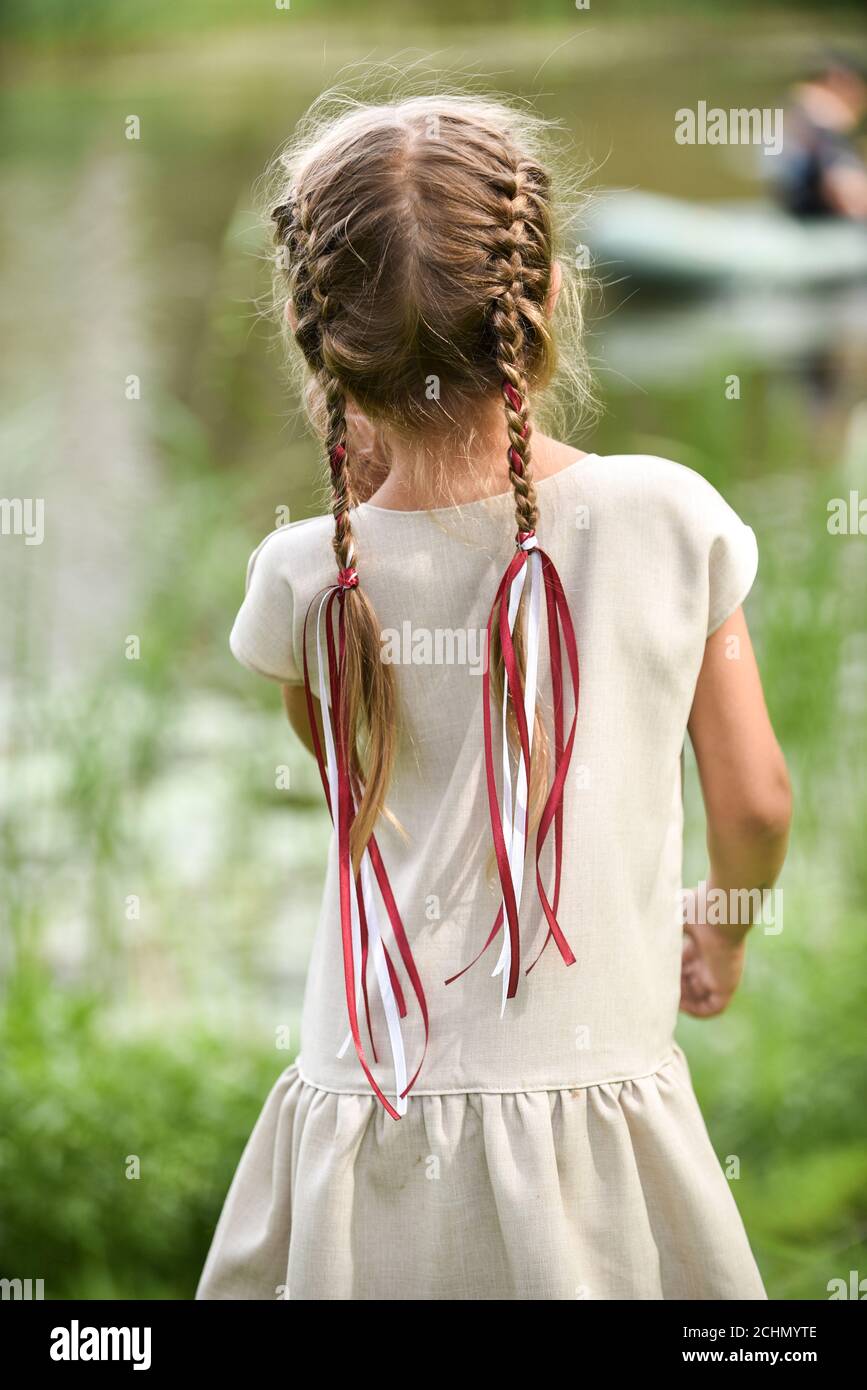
[370, 689]
[509, 339]
[315, 308]
[342, 497]
[510, 310]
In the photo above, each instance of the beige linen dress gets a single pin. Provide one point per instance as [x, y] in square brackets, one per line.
[557, 1152]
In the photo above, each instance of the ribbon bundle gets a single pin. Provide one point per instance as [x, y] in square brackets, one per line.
[510, 821]
[360, 927]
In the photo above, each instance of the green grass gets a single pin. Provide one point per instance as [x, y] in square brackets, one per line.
[116, 1151]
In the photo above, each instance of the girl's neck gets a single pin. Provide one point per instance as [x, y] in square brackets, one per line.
[431, 474]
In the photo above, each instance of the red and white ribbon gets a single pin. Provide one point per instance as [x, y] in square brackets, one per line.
[516, 818]
[374, 938]
[510, 823]
[360, 922]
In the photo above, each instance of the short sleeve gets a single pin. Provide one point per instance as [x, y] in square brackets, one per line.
[732, 563]
[262, 635]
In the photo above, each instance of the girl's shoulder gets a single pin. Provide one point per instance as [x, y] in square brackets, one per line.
[295, 556]
[649, 476]
[653, 490]
[663, 512]
[290, 545]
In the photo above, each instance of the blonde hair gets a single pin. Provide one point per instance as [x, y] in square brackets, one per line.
[416, 241]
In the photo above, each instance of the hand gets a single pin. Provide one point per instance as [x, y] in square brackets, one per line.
[711, 968]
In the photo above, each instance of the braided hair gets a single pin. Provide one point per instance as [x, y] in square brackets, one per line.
[415, 242]
[370, 689]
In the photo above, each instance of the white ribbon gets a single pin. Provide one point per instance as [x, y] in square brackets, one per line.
[514, 820]
[383, 979]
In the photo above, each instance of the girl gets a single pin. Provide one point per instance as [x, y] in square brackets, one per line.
[509, 640]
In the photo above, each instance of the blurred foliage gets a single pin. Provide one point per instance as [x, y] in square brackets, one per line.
[95, 21]
[78, 1106]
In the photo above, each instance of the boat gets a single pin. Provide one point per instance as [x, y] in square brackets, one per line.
[736, 245]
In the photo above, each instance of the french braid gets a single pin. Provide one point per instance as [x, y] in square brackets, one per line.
[509, 340]
[369, 688]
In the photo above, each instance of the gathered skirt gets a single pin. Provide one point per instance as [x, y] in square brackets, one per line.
[610, 1191]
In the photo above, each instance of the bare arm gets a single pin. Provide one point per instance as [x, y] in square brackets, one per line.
[744, 781]
[295, 704]
[748, 803]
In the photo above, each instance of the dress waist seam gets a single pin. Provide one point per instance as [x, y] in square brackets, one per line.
[672, 1056]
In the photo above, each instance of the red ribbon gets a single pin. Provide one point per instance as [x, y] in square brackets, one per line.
[559, 627]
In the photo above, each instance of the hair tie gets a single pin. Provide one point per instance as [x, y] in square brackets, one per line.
[347, 578]
[526, 540]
